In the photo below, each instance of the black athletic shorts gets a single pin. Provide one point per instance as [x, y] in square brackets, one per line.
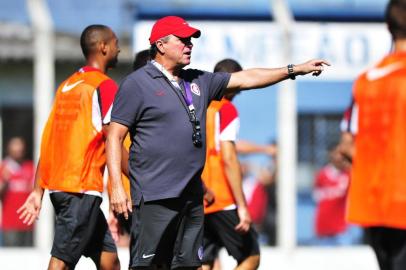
[125, 224]
[219, 232]
[389, 245]
[168, 232]
[80, 227]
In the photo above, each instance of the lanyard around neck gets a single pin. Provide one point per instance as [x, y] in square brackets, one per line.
[187, 100]
[188, 97]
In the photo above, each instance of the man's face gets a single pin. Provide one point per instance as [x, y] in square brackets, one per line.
[178, 50]
[16, 149]
[113, 51]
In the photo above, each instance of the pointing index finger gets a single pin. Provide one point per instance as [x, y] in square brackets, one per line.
[323, 62]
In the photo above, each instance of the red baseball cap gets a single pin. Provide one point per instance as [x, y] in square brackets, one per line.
[172, 25]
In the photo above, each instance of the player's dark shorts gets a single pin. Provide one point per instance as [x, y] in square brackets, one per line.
[219, 232]
[168, 232]
[80, 228]
[124, 224]
[389, 245]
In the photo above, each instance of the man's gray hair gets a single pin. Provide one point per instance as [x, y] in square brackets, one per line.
[153, 50]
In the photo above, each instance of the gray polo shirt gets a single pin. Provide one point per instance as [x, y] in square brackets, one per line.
[163, 160]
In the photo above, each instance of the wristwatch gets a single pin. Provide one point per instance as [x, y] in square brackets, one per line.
[291, 73]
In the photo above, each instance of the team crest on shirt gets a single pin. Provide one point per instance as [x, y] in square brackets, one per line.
[195, 89]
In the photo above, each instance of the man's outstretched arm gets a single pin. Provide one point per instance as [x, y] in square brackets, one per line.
[263, 77]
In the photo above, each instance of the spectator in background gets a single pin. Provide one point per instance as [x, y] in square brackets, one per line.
[141, 59]
[330, 194]
[268, 225]
[227, 221]
[257, 197]
[259, 186]
[16, 180]
[377, 194]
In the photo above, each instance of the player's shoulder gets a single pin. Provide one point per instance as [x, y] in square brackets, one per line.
[229, 109]
[191, 74]
[108, 84]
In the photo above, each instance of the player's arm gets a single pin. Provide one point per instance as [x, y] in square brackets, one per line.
[124, 153]
[247, 147]
[263, 77]
[119, 202]
[124, 162]
[3, 188]
[208, 195]
[348, 128]
[31, 208]
[346, 145]
[233, 172]
[4, 178]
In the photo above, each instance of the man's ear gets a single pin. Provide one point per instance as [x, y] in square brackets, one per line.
[103, 47]
[160, 46]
